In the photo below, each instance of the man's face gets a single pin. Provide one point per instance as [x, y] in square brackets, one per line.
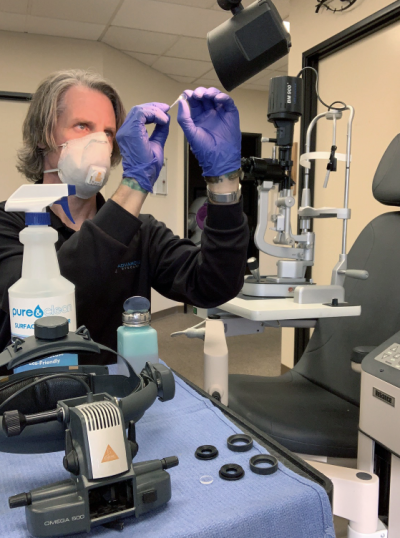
[85, 111]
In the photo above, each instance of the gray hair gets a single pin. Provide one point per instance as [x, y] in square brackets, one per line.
[44, 110]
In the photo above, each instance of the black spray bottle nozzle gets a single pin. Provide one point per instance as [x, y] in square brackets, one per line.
[63, 202]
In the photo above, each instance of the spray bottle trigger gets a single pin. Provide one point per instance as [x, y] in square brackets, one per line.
[63, 202]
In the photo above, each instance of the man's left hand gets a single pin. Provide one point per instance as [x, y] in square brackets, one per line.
[210, 121]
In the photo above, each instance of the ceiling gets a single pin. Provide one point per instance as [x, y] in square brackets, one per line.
[168, 35]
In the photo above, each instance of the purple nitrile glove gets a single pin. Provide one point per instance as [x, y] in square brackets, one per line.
[143, 157]
[210, 121]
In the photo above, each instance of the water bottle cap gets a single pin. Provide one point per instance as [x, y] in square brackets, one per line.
[136, 319]
[136, 312]
[137, 304]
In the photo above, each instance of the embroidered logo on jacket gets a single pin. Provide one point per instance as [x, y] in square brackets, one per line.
[128, 266]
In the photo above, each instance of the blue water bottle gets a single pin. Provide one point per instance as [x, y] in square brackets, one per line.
[137, 341]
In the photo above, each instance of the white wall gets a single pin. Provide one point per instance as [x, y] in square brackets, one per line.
[374, 95]
[355, 75]
[28, 58]
[24, 62]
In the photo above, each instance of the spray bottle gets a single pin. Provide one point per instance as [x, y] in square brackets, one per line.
[137, 341]
[41, 291]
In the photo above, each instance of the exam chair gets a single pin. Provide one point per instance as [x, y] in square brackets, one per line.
[314, 408]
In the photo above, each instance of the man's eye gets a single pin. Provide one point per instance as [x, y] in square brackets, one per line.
[82, 125]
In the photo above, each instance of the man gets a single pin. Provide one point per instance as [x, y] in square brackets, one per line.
[71, 108]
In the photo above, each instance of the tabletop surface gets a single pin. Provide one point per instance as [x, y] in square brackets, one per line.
[283, 309]
[284, 504]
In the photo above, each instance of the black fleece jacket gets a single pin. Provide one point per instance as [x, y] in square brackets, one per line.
[116, 255]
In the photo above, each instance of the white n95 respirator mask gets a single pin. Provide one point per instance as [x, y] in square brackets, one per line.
[85, 162]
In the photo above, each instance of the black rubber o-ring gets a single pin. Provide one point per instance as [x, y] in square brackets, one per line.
[206, 452]
[263, 458]
[236, 475]
[240, 437]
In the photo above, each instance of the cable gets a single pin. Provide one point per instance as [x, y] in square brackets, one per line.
[329, 107]
[20, 391]
[198, 325]
[334, 103]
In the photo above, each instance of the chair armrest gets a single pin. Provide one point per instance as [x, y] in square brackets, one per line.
[360, 352]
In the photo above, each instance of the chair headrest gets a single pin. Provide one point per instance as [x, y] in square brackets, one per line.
[386, 184]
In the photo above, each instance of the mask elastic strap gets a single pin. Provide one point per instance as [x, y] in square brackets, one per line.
[52, 170]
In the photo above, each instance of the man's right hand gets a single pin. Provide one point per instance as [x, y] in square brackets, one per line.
[143, 157]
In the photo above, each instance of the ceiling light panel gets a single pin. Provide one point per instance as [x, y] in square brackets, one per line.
[138, 40]
[60, 28]
[93, 11]
[168, 18]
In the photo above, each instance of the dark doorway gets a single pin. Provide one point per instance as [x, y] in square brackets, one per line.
[251, 147]
[196, 186]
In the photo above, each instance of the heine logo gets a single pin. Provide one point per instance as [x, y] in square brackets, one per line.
[128, 266]
[383, 397]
